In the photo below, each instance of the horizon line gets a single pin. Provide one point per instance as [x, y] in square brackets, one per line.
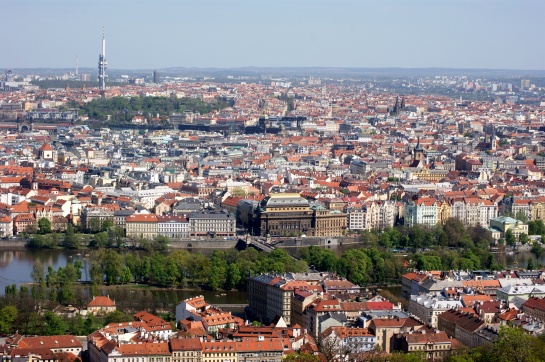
[285, 67]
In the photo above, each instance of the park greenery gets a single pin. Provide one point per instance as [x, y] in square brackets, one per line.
[122, 109]
[227, 269]
[27, 311]
[389, 253]
[386, 255]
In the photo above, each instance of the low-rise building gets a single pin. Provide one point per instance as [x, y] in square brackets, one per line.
[436, 345]
[428, 307]
[142, 226]
[186, 349]
[212, 225]
[344, 340]
[173, 226]
[101, 305]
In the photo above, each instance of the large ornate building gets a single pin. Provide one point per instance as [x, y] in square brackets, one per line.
[287, 214]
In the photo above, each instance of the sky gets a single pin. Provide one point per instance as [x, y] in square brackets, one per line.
[157, 34]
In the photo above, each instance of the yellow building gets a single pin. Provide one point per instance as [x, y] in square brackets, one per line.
[430, 175]
[501, 224]
[142, 226]
[329, 222]
[443, 212]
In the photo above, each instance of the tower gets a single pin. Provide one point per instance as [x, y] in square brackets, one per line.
[155, 76]
[76, 65]
[102, 63]
[34, 184]
[418, 152]
[494, 140]
[396, 106]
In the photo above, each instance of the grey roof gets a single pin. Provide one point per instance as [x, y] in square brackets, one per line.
[210, 216]
[127, 212]
[339, 317]
[284, 201]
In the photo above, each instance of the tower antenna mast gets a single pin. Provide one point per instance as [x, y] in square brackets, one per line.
[102, 63]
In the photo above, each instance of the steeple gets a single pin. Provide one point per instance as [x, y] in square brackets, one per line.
[34, 184]
[396, 106]
[418, 152]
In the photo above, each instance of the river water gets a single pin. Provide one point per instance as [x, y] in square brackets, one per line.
[16, 266]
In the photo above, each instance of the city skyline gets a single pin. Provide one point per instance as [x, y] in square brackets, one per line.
[242, 33]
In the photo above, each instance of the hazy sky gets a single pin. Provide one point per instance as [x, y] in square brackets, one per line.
[506, 34]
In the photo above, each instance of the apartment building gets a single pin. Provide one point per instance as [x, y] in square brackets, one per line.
[92, 219]
[219, 224]
[270, 295]
[421, 212]
[474, 211]
[356, 219]
[300, 299]
[173, 226]
[427, 308]
[328, 222]
[352, 340]
[436, 345]
[186, 349]
[379, 215]
[142, 226]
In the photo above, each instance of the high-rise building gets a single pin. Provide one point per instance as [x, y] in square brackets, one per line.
[525, 84]
[155, 76]
[102, 63]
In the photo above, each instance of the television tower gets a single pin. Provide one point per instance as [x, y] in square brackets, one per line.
[76, 65]
[102, 63]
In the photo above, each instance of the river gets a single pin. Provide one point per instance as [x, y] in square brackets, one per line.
[16, 265]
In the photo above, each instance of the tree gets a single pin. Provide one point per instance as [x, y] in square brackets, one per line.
[427, 262]
[99, 240]
[537, 250]
[523, 239]
[233, 276]
[356, 266]
[514, 345]
[70, 238]
[38, 273]
[510, 238]
[36, 241]
[107, 225]
[44, 226]
[118, 317]
[8, 314]
[126, 275]
[112, 264]
[521, 216]
[332, 347]
[160, 242]
[55, 325]
[31, 229]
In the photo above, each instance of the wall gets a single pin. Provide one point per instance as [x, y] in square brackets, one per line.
[321, 241]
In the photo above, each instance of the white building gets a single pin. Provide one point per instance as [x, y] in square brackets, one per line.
[345, 340]
[428, 307]
[173, 226]
[422, 211]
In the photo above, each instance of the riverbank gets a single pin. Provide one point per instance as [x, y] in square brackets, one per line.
[10, 244]
[210, 243]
